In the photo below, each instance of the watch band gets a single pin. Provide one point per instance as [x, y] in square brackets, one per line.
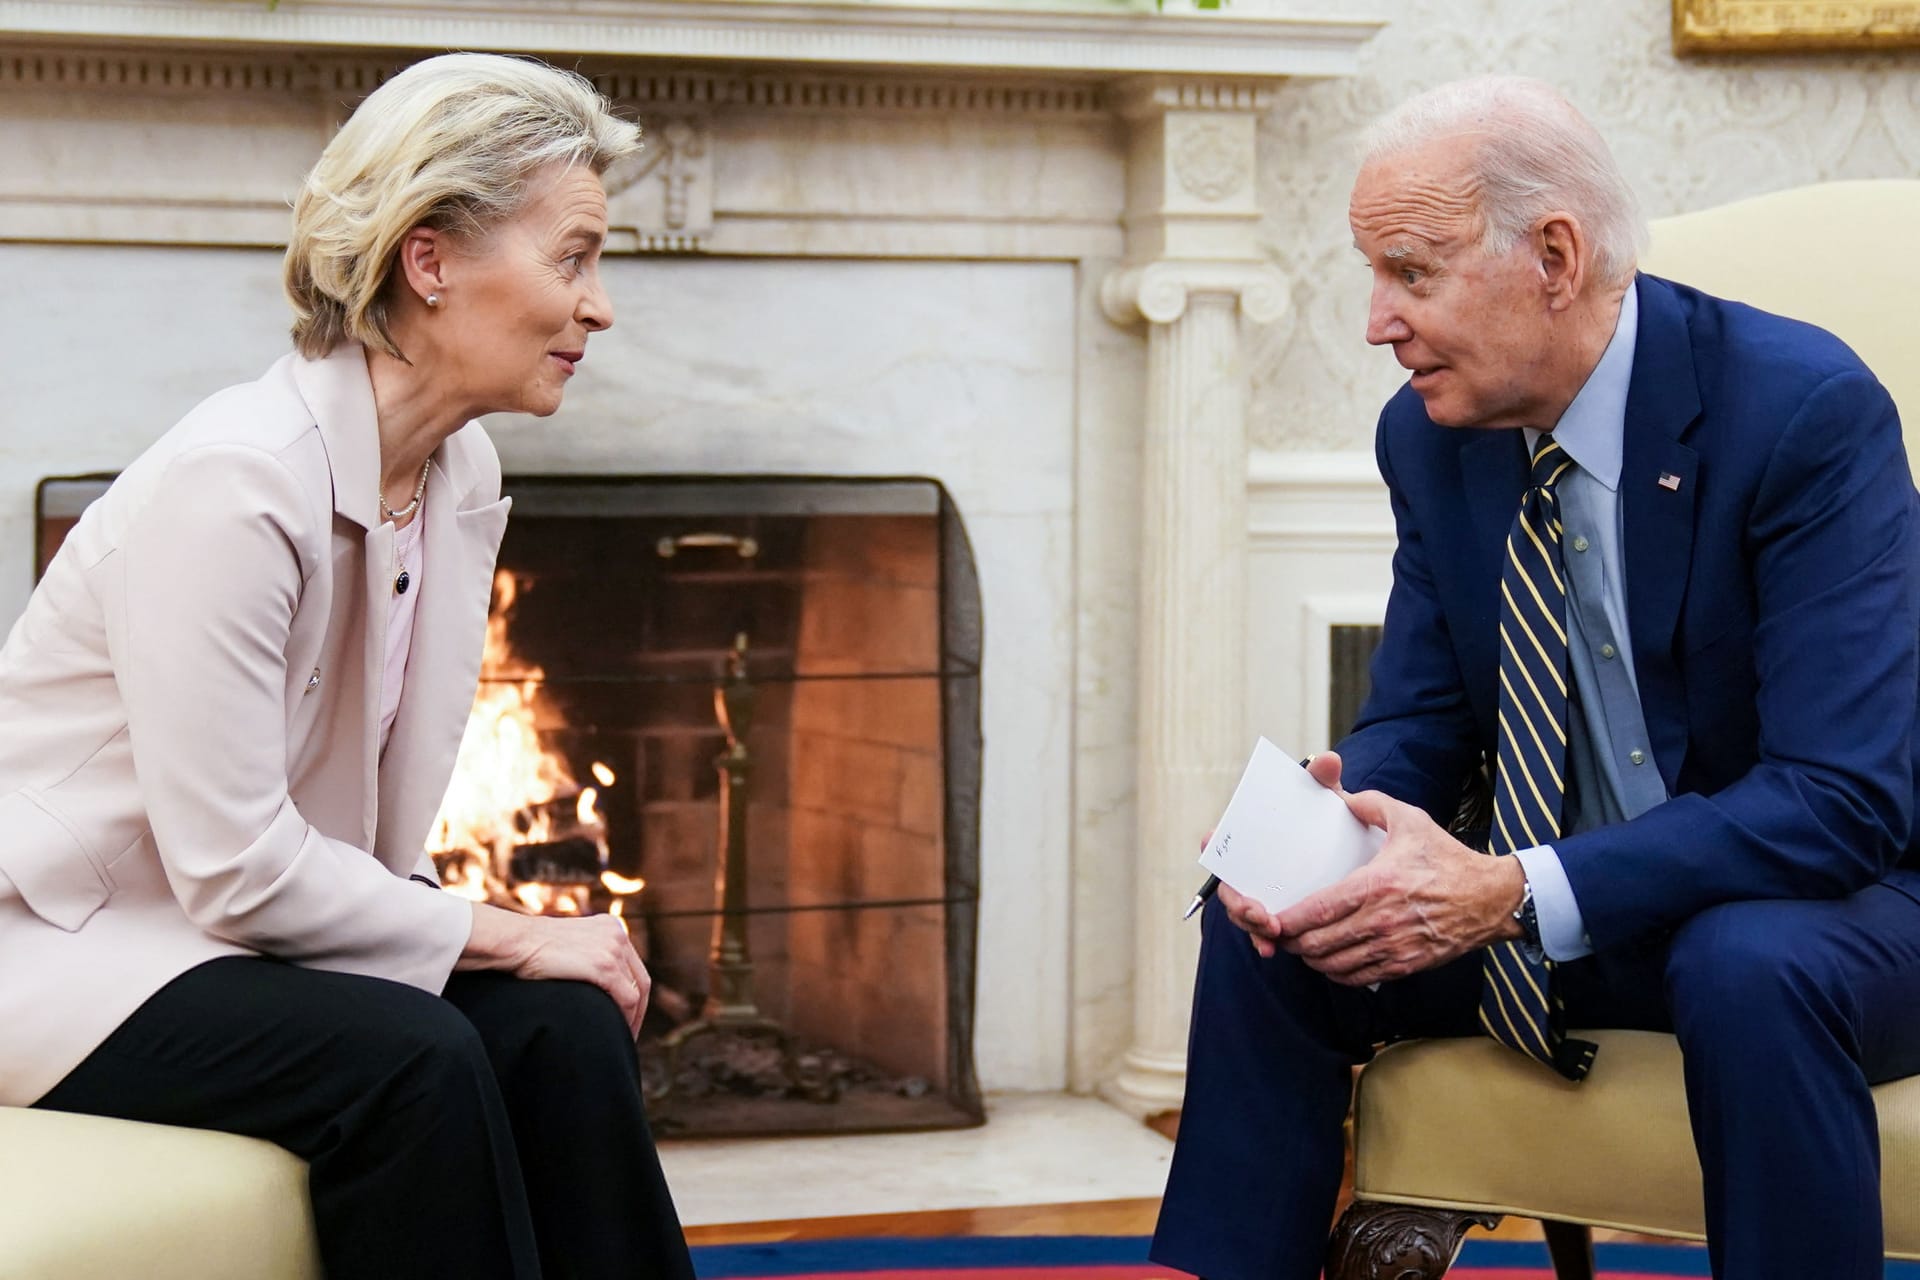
[1528, 917]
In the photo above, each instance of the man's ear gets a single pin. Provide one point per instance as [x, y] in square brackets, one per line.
[423, 261]
[1561, 243]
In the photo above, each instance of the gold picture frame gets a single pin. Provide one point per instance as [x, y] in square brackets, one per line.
[1794, 26]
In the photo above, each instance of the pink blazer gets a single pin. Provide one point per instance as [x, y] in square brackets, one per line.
[189, 709]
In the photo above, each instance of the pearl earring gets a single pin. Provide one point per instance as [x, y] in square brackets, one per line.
[433, 299]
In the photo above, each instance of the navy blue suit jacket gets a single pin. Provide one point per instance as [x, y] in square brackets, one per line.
[1773, 601]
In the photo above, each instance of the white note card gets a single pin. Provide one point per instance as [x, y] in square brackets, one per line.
[1284, 835]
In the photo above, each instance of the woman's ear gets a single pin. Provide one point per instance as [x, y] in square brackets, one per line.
[423, 263]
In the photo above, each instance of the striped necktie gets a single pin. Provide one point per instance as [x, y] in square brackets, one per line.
[1518, 1006]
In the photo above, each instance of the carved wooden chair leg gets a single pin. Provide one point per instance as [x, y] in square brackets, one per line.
[1571, 1246]
[1374, 1241]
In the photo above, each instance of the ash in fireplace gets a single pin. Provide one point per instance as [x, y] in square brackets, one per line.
[728, 1081]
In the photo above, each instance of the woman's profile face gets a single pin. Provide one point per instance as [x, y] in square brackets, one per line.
[522, 299]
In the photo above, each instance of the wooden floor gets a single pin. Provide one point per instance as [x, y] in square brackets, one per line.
[1099, 1218]
[1096, 1218]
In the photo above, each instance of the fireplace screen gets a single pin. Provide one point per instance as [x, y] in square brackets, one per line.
[744, 715]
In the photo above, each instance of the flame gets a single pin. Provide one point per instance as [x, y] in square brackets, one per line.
[507, 788]
[621, 886]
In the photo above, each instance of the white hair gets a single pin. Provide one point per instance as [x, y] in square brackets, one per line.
[1536, 155]
[454, 142]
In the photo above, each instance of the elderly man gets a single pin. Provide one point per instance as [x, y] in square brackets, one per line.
[1657, 568]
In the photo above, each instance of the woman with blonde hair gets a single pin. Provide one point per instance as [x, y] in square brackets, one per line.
[233, 705]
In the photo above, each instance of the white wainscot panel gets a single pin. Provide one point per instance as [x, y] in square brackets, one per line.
[1320, 556]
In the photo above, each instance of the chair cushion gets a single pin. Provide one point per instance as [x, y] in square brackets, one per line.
[82, 1198]
[1470, 1124]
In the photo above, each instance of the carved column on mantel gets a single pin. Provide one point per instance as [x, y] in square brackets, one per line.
[1194, 276]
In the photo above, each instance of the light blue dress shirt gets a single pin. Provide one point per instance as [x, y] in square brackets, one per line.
[1609, 769]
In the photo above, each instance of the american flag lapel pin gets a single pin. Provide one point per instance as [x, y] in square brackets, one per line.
[1670, 481]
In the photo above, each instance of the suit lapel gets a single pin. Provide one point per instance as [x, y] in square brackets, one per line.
[460, 540]
[339, 394]
[1494, 470]
[1659, 479]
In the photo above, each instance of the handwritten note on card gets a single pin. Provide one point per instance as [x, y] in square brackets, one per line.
[1284, 835]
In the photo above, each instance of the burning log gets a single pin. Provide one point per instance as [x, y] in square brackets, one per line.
[570, 860]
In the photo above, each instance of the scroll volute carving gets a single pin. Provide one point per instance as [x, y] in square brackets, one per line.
[1398, 1242]
[661, 200]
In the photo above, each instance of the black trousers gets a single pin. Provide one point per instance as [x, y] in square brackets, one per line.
[497, 1131]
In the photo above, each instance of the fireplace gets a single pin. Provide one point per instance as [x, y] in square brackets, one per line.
[744, 714]
[1002, 245]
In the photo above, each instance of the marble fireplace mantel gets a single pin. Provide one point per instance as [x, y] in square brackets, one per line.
[1096, 37]
[1033, 226]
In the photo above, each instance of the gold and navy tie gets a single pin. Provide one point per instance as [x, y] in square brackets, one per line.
[1518, 1006]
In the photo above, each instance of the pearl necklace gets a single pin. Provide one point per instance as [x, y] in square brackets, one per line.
[404, 579]
[411, 507]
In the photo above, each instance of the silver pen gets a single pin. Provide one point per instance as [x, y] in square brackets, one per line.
[1200, 898]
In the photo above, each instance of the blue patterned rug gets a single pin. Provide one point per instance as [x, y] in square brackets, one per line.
[1125, 1258]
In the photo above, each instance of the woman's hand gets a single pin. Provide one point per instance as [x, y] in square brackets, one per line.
[593, 949]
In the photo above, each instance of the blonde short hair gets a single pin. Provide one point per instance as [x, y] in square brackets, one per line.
[450, 143]
[1536, 154]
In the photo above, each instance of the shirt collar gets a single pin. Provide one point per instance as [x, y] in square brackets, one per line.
[1594, 427]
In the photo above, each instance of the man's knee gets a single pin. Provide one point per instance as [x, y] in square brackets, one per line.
[1734, 970]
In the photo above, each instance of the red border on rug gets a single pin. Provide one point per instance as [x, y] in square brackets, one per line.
[1147, 1271]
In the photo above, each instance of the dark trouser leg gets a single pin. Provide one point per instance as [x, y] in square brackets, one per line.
[385, 1090]
[1786, 1012]
[1256, 1170]
[566, 1064]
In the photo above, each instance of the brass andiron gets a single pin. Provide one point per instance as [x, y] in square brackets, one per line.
[730, 1003]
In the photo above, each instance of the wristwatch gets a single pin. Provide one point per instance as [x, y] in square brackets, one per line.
[1527, 918]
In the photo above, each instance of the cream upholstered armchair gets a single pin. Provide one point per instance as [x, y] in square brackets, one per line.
[1425, 1166]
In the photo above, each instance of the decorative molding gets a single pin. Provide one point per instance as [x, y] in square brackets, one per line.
[1157, 95]
[197, 73]
[1209, 160]
[1159, 292]
[1331, 501]
[276, 107]
[818, 92]
[1101, 42]
[662, 199]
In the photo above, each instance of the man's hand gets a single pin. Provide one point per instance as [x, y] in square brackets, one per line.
[1423, 900]
[1260, 924]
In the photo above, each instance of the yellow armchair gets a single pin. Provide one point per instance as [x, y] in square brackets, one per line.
[1426, 1166]
[85, 1198]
